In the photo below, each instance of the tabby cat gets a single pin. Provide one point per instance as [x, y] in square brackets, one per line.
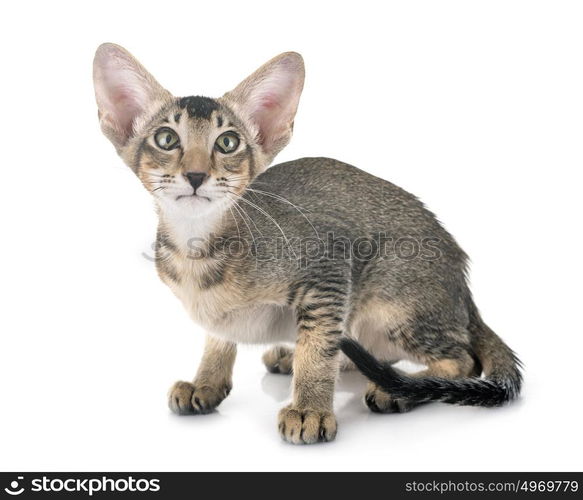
[312, 253]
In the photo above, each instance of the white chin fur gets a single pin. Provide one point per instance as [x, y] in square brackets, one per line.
[191, 218]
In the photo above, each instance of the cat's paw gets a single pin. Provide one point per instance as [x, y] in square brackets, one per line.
[305, 426]
[379, 401]
[186, 398]
[279, 359]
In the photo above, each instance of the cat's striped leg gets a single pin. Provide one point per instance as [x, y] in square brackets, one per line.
[310, 418]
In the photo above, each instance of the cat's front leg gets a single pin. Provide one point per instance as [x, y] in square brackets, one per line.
[310, 418]
[212, 383]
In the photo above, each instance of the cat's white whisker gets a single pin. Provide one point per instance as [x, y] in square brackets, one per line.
[281, 198]
[243, 213]
[273, 220]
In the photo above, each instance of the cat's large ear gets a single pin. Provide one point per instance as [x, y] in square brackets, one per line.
[268, 100]
[124, 91]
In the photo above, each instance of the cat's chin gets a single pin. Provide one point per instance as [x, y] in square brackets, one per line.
[190, 206]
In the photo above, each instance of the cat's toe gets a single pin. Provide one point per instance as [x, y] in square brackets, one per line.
[180, 398]
[206, 398]
[186, 398]
[279, 359]
[305, 426]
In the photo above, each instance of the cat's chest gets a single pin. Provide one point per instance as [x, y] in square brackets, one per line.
[214, 298]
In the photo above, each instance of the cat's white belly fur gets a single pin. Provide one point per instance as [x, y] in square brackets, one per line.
[263, 324]
[274, 323]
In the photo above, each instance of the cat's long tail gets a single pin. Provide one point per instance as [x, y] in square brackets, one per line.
[501, 367]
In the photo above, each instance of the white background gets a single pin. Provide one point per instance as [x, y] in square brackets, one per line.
[476, 107]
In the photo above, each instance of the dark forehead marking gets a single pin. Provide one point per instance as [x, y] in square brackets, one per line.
[177, 117]
[198, 106]
[219, 121]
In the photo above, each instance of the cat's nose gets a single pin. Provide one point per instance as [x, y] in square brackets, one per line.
[195, 179]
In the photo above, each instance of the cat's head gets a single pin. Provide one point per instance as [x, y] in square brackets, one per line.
[195, 153]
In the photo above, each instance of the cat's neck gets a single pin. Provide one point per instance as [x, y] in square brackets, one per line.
[189, 231]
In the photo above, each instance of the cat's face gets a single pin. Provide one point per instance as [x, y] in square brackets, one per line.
[196, 154]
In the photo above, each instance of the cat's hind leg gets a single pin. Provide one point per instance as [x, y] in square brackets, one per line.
[459, 363]
[279, 359]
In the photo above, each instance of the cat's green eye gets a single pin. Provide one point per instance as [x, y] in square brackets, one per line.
[227, 142]
[167, 139]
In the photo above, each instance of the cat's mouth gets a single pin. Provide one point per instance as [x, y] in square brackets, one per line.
[193, 195]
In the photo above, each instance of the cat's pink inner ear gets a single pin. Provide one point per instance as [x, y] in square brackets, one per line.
[123, 90]
[270, 97]
[124, 109]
